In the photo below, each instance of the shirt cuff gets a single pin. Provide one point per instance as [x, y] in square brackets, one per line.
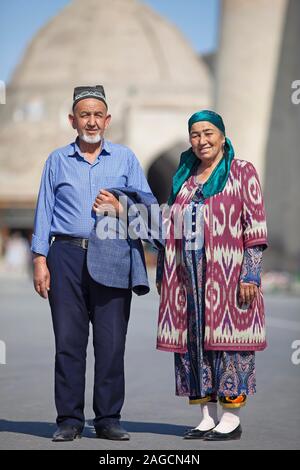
[39, 246]
[251, 279]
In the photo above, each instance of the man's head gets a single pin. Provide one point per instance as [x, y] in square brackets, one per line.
[83, 92]
[90, 114]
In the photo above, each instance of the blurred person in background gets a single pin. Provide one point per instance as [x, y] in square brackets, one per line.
[17, 254]
[211, 312]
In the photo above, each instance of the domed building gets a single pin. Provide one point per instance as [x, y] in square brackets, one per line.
[153, 82]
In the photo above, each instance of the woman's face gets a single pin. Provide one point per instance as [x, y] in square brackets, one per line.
[207, 141]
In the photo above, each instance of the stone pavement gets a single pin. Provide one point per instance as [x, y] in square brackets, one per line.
[152, 414]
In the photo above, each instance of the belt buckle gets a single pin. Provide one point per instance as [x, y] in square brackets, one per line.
[84, 243]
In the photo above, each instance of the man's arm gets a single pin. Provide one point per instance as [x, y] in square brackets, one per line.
[42, 227]
[107, 202]
[136, 176]
[41, 275]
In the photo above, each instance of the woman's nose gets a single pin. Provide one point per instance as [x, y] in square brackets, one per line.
[202, 139]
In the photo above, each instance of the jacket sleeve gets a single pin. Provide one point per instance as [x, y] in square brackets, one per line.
[253, 210]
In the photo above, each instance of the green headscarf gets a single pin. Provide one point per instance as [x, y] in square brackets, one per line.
[217, 180]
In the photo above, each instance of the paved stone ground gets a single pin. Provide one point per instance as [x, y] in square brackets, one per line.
[152, 414]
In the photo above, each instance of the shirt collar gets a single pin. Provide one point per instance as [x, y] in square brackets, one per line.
[75, 149]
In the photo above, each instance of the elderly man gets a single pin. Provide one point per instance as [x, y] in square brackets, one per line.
[64, 220]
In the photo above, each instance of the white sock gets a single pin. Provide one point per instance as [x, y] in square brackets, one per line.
[229, 421]
[209, 416]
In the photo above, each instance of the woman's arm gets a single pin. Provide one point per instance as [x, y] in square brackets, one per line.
[253, 212]
[252, 265]
[250, 277]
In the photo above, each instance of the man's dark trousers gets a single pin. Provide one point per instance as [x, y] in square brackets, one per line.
[75, 300]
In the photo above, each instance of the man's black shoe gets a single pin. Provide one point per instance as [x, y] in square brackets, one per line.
[114, 432]
[66, 433]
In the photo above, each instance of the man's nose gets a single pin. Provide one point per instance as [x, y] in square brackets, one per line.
[92, 121]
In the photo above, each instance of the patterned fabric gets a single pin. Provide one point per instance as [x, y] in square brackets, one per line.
[233, 221]
[233, 401]
[160, 265]
[251, 267]
[199, 373]
[70, 184]
[224, 373]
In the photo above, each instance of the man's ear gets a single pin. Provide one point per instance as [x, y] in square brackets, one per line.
[72, 120]
[107, 121]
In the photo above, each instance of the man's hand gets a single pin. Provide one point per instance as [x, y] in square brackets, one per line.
[41, 275]
[247, 293]
[107, 202]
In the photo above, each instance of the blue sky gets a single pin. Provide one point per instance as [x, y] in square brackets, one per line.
[21, 19]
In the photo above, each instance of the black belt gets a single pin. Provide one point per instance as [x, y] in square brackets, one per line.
[82, 242]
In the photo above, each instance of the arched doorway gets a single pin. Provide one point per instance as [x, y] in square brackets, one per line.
[162, 169]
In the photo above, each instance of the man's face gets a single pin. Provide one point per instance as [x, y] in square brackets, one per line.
[90, 119]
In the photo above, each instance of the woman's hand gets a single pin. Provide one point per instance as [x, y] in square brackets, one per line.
[107, 202]
[247, 293]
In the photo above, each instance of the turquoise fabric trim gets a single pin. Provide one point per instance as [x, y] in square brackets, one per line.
[217, 180]
[207, 115]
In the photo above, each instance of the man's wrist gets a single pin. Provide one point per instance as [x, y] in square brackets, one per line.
[37, 258]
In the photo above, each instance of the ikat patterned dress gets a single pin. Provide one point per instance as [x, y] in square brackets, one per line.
[199, 372]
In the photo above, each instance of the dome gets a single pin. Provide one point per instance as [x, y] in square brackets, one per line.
[111, 41]
[151, 76]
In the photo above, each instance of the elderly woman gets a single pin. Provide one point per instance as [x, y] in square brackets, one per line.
[211, 312]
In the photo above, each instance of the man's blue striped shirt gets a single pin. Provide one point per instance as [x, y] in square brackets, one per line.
[69, 186]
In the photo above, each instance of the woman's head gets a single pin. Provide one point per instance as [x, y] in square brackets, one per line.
[207, 135]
